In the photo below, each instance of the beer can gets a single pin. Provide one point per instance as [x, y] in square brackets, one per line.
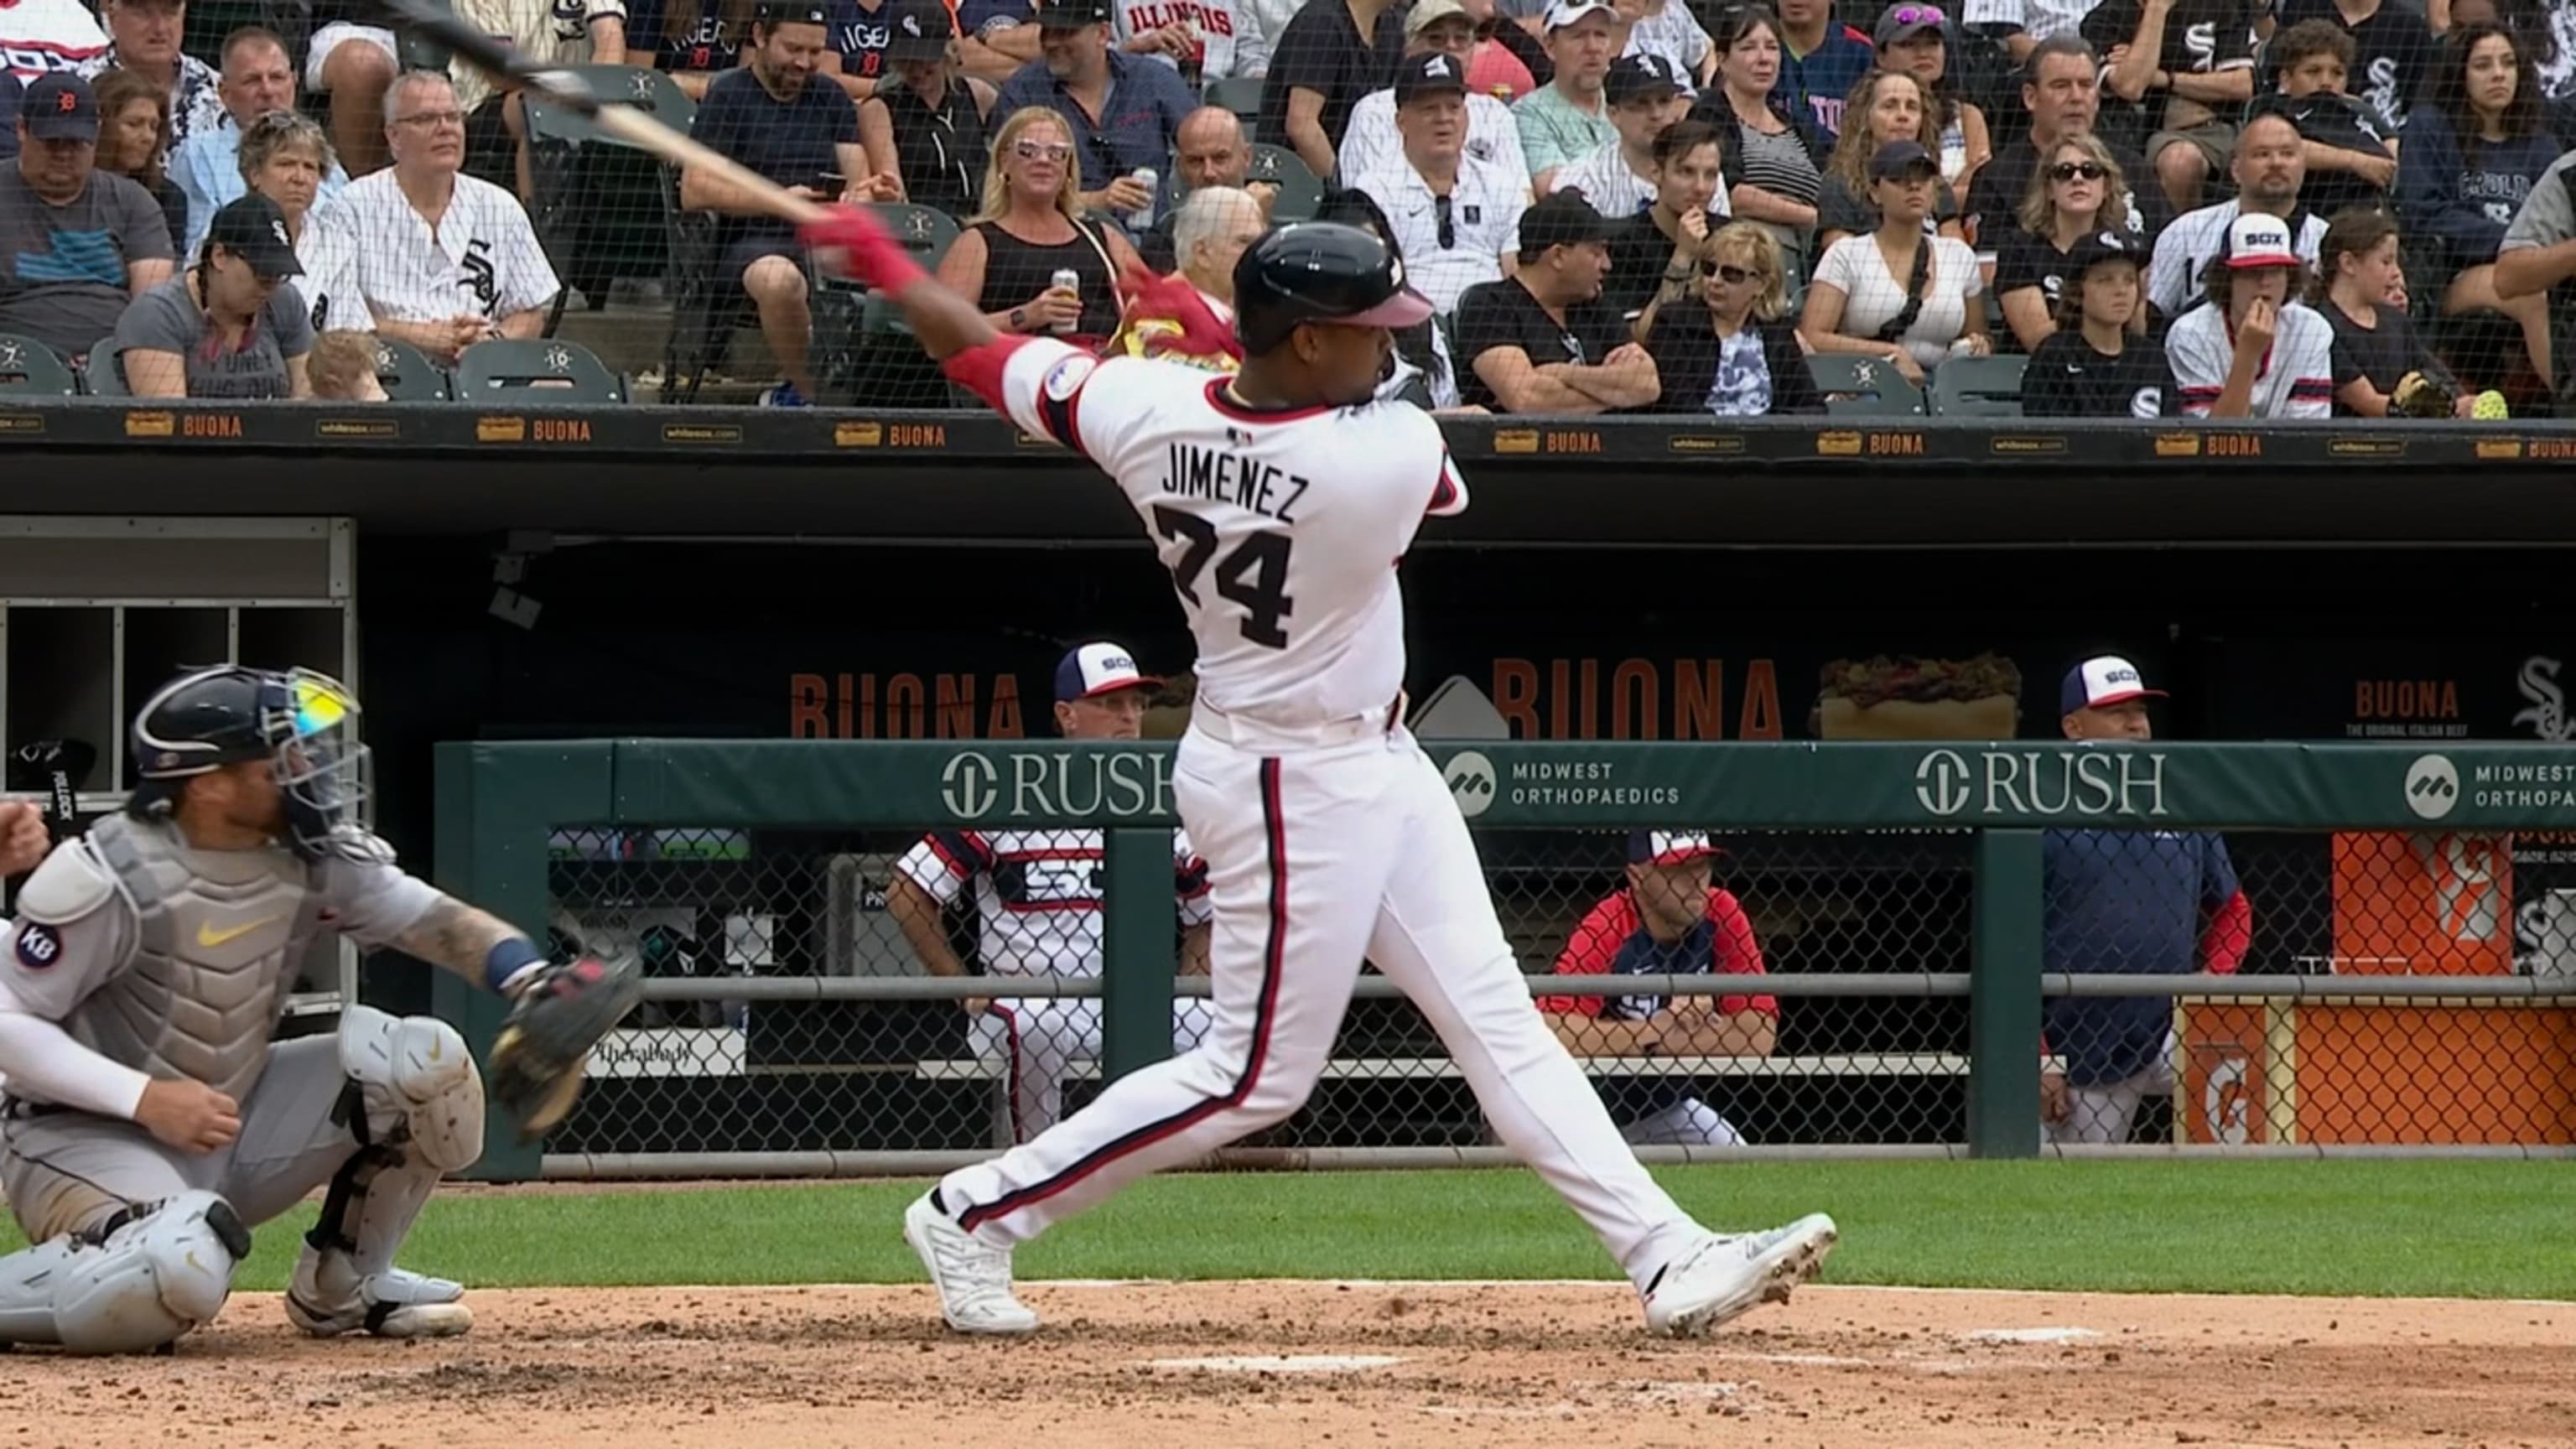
[1067, 279]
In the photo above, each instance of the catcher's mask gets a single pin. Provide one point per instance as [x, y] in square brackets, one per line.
[303, 723]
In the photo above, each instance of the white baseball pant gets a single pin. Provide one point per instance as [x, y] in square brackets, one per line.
[1324, 847]
[2106, 1111]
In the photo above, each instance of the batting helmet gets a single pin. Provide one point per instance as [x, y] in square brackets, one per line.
[1319, 271]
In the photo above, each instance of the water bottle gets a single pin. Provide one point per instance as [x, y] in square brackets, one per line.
[1142, 218]
[1069, 280]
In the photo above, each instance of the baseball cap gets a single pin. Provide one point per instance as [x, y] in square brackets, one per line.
[1898, 158]
[1437, 73]
[1427, 13]
[2256, 240]
[2103, 246]
[1560, 219]
[1097, 669]
[793, 12]
[59, 107]
[253, 229]
[1072, 14]
[1904, 22]
[1667, 847]
[1641, 77]
[2104, 679]
[1563, 13]
[918, 30]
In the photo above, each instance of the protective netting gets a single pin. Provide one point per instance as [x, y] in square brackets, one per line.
[677, 293]
[1812, 1053]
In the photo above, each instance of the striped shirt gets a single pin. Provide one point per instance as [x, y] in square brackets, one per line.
[1037, 893]
[2297, 380]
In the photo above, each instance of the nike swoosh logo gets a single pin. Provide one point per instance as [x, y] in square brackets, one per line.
[209, 937]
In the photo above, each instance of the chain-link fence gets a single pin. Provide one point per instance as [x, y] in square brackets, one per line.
[683, 292]
[1781, 992]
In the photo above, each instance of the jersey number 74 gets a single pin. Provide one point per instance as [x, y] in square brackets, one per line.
[1253, 574]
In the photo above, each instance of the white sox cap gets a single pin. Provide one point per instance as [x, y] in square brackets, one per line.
[1094, 669]
[2105, 679]
[1574, 12]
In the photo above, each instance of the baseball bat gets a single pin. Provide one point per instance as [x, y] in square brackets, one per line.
[625, 123]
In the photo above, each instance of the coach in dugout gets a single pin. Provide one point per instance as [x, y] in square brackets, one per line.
[1672, 920]
[1037, 897]
[2142, 902]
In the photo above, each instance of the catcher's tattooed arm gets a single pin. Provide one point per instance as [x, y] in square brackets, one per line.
[461, 938]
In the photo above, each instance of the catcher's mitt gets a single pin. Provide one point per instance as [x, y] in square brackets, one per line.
[559, 1016]
[2418, 396]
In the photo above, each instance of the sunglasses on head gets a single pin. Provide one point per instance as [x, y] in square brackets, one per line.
[1448, 228]
[1043, 150]
[1727, 272]
[2069, 170]
[1915, 15]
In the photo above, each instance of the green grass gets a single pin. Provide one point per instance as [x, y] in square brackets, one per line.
[2471, 1229]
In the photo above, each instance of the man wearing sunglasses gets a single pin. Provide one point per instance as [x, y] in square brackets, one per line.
[1456, 219]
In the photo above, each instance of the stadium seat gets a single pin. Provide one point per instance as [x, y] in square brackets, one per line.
[407, 375]
[866, 354]
[1863, 386]
[29, 368]
[104, 372]
[1978, 387]
[1300, 190]
[1241, 95]
[594, 210]
[537, 370]
[705, 308]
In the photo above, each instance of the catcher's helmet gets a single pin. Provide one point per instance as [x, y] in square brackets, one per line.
[304, 723]
[1319, 271]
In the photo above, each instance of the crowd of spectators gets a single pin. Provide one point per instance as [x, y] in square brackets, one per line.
[2231, 208]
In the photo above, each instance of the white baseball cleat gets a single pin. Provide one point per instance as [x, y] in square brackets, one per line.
[1729, 1275]
[973, 1279]
[391, 1304]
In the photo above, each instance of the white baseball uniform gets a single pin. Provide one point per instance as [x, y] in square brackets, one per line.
[1037, 913]
[1329, 836]
[369, 254]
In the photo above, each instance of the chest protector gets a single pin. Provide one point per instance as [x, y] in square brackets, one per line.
[217, 934]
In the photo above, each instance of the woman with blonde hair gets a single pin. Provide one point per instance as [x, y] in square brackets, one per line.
[1736, 355]
[2076, 193]
[1029, 230]
[1886, 106]
[133, 130]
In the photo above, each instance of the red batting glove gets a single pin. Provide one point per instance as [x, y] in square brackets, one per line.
[849, 243]
[1173, 298]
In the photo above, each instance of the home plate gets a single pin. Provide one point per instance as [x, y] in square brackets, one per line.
[1263, 1363]
[2031, 1335]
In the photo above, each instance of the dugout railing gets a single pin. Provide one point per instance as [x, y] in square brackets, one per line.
[2403, 956]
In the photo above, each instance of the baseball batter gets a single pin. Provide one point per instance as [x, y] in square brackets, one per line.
[1282, 499]
[149, 1122]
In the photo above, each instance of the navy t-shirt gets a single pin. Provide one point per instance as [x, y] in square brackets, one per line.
[860, 36]
[789, 142]
[679, 42]
[2129, 901]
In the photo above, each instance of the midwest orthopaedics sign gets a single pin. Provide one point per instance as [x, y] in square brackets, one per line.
[2536, 786]
[2044, 784]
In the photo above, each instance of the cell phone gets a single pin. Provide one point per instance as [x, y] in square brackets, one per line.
[829, 183]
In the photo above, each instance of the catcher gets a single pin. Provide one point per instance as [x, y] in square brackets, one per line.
[149, 1122]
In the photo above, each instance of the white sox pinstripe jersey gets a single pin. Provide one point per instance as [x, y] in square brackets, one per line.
[1037, 893]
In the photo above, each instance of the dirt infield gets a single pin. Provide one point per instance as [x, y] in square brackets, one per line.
[1257, 1365]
